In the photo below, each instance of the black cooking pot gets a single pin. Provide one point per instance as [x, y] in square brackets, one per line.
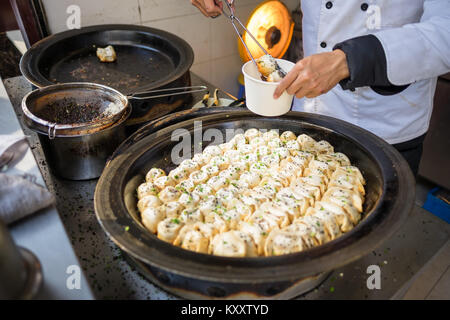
[389, 200]
[147, 59]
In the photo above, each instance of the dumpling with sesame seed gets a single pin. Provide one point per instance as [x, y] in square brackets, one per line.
[260, 194]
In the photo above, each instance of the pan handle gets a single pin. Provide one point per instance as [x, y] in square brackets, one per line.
[159, 93]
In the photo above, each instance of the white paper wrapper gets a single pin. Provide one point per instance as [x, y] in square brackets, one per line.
[19, 197]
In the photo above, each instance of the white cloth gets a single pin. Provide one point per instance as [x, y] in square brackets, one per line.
[20, 197]
[415, 35]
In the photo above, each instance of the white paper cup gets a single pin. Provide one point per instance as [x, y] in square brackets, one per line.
[259, 94]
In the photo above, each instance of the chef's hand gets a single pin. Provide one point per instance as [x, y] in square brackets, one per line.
[315, 75]
[209, 8]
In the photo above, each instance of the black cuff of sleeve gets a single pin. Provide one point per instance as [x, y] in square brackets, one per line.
[389, 90]
[366, 62]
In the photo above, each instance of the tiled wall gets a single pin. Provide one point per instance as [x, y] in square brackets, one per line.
[213, 40]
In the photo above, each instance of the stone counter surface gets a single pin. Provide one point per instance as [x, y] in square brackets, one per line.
[42, 233]
[111, 277]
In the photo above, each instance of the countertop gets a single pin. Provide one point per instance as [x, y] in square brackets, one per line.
[111, 277]
[43, 233]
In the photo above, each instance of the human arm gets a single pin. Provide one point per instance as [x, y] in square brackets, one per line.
[388, 60]
[210, 8]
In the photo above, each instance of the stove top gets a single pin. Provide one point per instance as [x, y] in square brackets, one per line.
[112, 277]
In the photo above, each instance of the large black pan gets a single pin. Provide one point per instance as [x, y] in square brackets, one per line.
[390, 195]
[147, 59]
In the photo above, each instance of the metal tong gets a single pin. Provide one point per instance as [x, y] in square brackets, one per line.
[159, 93]
[233, 18]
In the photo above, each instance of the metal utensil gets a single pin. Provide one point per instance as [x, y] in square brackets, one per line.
[112, 117]
[233, 18]
[166, 92]
[76, 151]
[85, 93]
[231, 15]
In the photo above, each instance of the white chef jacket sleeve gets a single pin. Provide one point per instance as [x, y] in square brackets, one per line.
[420, 50]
